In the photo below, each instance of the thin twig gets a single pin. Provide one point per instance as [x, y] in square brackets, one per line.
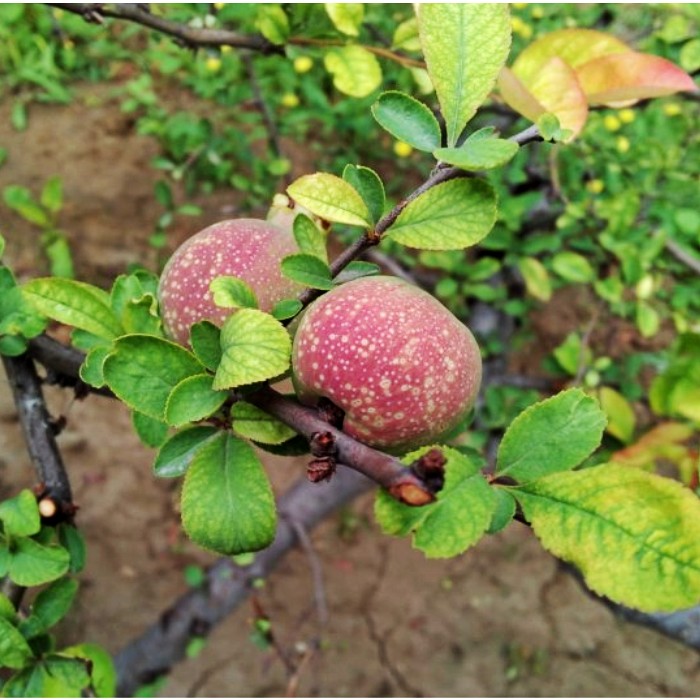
[682, 255]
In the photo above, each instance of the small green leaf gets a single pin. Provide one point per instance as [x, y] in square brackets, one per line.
[151, 431]
[286, 308]
[205, 338]
[634, 536]
[573, 267]
[227, 502]
[272, 23]
[465, 46]
[75, 304]
[481, 151]
[141, 316]
[406, 36]
[2, 245]
[452, 215]
[14, 650]
[346, 16]
[233, 293]
[456, 521]
[407, 119]
[504, 511]
[49, 607]
[175, 455]
[255, 347]
[356, 72]
[103, 677]
[355, 270]
[309, 237]
[253, 423]
[143, 370]
[370, 187]
[71, 539]
[91, 371]
[536, 278]
[620, 414]
[18, 116]
[553, 435]
[20, 515]
[52, 194]
[572, 354]
[308, 270]
[193, 399]
[689, 57]
[32, 564]
[7, 609]
[331, 198]
[647, 319]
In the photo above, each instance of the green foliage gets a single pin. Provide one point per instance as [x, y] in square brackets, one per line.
[407, 119]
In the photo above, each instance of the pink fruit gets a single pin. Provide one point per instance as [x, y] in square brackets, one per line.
[401, 366]
[250, 249]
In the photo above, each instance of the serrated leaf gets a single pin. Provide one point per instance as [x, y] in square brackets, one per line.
[233, 293]
[573, 267]
[255, 347]
[32, 564]
[450, 525]
[620, 414]
[227, 502]
[355, 270]
[536, 278]
[49, 607]
[503, 512]
[356, 72]
[634, 536]
[14, 650]
[20, 515]
[308, 270]
[465, 46]
[75, 304]
[370, 187]
[272, 23]
[309, 237]
[176, 454]
[103, 677]
[286, 308]
[205, 339]
[141, 316]
[553, 435]
[331, 198]
[253, 423]
[91, 370]
[479, 152]
[408, 120]
[346, 16]
[452, 215]
[151, 431]
[193, 399]
[142, 370]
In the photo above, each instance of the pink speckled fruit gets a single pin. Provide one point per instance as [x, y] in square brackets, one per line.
[401, 366]
[247, 248]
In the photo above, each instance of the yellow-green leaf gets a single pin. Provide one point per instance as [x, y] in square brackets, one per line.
[331, 198]
[536, 278]
[356, 71]
[621, 418]
[346, 16]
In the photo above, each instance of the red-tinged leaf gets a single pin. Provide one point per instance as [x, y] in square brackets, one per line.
[631, 76]
[660, 441]
[518, 97]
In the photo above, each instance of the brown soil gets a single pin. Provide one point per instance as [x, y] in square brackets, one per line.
[502, 620]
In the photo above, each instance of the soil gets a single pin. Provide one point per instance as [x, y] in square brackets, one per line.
[501, 620]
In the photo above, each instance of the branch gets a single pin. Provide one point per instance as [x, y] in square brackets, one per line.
[683, 255]
[163, 644]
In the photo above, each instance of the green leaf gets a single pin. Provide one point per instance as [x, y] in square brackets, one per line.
[20, 200]
[504, 511]
[14, 650]
[205, 338]
[71, 539]
[193, 399]
[91, 370]
[634, 536]
[103, 677]
[177, 453]
[20, 515]
[572, 354]
[143, 370]
[286, 308]
[49, 607]
[253, 423]
[2, 245]
[355, 270]
[309, 237]
[407, 119]
[481, 151]
[330, 198]
[75, 304]
[647, 319]
[689, 57]
[573, 267]
[356, 72]
[255, 347]
[370, 187]
[52, 194]
[233, 293]
[465, 46]
[32, 564]
[308, 270]
[227, 502]
[52, 677]
[406, 36]
[272, 23]
[536, 278]
[456, 521]
[7, 609]
[553, 435]
[620, 414]
[346, 16]
[141, 316]
[151, 431]
[452, 215]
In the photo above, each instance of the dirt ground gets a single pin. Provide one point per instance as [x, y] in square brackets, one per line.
[502, 620]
